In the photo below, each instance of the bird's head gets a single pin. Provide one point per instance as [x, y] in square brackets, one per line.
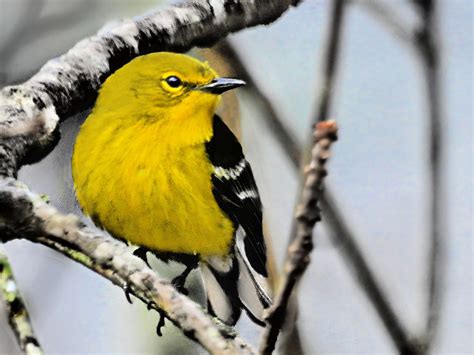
[163, 85]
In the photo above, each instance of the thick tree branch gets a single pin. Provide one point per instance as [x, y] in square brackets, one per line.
[25, 215]
[30, 112]
[17, 313]
[307, 214]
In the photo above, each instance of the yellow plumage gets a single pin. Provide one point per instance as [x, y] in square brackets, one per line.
[140, 166]
[153, 165]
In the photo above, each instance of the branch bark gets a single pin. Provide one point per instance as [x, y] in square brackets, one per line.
[26, 215]
[29, 118]
[30, 112]
[17, 314]
[307, 214]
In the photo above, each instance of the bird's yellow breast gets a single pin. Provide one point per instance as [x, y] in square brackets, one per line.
[149, 193]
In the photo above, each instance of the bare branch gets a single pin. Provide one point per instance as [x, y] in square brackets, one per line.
[334, 217]
[25, 215]
[29, 112]
[428, 49]
[341, 232]
[17, 312]
[307, 215]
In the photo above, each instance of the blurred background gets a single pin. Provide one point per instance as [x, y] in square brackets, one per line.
[378, 174]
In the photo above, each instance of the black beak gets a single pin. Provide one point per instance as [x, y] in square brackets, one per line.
[221, 85]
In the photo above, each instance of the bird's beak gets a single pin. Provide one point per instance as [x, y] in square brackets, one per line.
[221, 85]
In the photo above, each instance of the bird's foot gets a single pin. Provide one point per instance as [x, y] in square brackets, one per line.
[141, 253]
[127, 290]
[161, 323]
[179, 281]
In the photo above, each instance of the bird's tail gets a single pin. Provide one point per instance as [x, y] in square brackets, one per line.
[232, 285]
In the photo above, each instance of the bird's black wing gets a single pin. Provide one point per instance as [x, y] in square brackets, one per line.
[236, 193]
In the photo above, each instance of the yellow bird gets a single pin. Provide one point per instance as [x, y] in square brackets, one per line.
[155, 166]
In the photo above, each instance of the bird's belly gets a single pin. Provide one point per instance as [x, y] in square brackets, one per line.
[164, 203]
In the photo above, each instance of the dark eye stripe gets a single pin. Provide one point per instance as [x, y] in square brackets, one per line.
[174, 81]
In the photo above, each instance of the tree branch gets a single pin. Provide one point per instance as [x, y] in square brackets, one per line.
[333, 216]
[307, 215]
[340, 231]
[25, 215]
[29, 113]
[29, 117]
[17, 313]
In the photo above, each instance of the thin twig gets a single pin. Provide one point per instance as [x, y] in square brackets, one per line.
[340, 231]
[24, 214]
[428, 48]
[17, 313]
[334, 217]
[308, 213]
[387, 16]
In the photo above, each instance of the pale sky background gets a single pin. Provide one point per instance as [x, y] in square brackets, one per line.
[378, 173]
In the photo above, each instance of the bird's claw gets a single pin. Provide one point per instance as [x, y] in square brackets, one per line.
[127, 290]
[161, 323]
[178, 283]
[141, 253]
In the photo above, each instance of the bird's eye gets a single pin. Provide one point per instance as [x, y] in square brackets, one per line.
[174, 81]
